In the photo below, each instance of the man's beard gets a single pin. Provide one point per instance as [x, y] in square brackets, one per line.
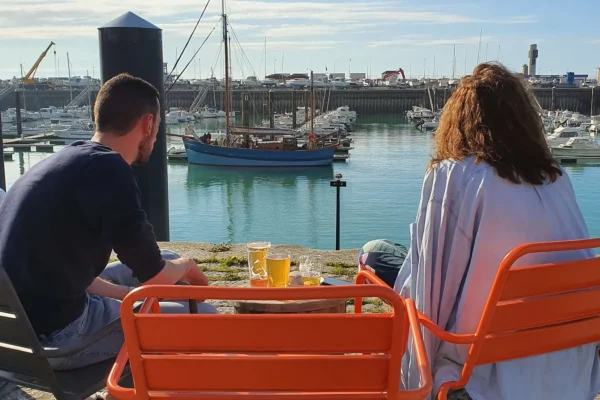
[144, 150]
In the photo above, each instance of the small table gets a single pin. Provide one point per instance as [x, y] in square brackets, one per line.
[322, 306]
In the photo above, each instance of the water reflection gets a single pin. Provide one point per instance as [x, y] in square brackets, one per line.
[281, 204]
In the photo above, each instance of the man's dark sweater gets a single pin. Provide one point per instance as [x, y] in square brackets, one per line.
[59, 223]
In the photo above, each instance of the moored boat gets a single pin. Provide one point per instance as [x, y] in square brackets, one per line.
[241, 146]
[209, 154]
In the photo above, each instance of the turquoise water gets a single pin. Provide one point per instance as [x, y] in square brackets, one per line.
[384, 176]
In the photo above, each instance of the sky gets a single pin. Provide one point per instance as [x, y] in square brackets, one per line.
[341, 35]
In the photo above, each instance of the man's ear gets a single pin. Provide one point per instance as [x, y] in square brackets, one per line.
[146, 122]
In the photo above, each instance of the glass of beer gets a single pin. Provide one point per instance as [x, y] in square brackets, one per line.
[311, 270]
[278, 268]
[257, 263]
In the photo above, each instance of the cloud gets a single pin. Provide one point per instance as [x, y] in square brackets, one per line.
[292, 44]
[30, 19]
[407, 42]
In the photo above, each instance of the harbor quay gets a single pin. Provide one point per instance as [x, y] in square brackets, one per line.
[366, 101]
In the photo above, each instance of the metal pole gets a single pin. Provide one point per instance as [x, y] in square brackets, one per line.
[18, 114]
[294, 109]
[592, 104]
[2, 176]
[552, 107]
[133, 45]
[337, 183]
[337, 218]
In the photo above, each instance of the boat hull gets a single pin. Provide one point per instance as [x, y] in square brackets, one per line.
[204, 154]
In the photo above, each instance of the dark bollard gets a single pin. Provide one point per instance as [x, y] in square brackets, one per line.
[294, 109]
[2, 176]
[18, 114]
[133, 45]
[337, 183]
[271, 109]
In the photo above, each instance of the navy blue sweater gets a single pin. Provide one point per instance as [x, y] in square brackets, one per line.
[59, 223]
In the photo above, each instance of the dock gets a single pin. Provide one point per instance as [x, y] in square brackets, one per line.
[29, 139]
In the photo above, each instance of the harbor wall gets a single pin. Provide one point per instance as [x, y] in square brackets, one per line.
[363, 101]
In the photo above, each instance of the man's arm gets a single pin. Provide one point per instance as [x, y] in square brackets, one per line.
[100, 287]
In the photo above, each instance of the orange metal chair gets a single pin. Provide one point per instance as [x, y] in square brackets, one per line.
[532, 310]
[262, 356]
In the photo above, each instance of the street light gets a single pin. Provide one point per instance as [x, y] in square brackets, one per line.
[337, 183]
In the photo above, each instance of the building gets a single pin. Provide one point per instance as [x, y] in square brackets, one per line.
[525, 70]
[355, 76]
[598, 75]
[533, 55]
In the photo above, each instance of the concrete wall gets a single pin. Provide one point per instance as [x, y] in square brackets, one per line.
[362, 100]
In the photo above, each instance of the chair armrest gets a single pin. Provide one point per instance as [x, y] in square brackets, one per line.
[368, 277]
[442, 334]
[53, 352]
[115, 374]
[364, 275]
[420, 353]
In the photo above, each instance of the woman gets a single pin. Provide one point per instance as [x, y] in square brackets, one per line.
[491, 186]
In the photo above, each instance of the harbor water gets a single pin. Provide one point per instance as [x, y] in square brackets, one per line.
[291, 206]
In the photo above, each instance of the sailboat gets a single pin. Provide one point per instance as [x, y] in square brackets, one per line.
[239, 149]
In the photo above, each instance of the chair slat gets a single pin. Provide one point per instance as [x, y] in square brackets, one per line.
[264, 373]
[511, 345]
[20, 362]
[13, 332]
[541, 279]
[546, 310]
[331, 333]
[195, 395]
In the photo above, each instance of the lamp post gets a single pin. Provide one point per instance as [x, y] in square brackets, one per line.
[337, 183]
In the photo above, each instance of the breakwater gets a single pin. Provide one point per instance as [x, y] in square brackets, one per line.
[367, 101]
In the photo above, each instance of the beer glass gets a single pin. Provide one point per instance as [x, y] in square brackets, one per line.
[278, 268]
[311, 270]
[257, 263]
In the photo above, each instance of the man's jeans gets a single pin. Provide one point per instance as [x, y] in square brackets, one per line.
[99, 312]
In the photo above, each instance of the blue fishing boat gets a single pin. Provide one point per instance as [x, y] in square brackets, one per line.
[242, 147]
[209, 154]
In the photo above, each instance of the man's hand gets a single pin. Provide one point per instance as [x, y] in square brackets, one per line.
[193, 275]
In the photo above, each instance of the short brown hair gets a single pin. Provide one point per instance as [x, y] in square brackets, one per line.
[122, 101]
[493, 117]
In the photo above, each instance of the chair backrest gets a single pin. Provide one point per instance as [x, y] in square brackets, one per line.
[298, 356]
[539, 309]
[20, 359]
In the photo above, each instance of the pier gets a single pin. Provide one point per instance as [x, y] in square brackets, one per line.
[365, 101]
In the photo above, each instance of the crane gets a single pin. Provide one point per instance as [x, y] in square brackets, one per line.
[28, 79]
[395, 73]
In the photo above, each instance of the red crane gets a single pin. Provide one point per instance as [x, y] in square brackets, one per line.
[393, 73]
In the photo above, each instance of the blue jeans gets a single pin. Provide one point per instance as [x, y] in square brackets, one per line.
[99, 312]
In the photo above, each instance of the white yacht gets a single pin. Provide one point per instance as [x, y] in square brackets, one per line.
[564, 133]
[78, 130]
[577, 149]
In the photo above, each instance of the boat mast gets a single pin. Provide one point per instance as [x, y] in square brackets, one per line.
[312, 107]
[226, 44]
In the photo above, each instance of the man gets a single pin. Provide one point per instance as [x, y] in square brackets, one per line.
[62, 219]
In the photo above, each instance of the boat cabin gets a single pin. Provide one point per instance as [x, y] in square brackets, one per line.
[289, 144]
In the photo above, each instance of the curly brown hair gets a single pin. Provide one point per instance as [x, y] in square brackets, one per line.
[493, 117]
